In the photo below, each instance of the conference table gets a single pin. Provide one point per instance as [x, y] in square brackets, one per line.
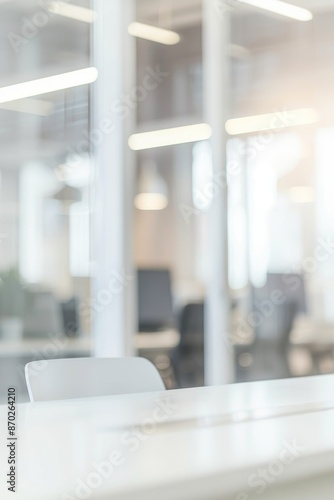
[273, 439]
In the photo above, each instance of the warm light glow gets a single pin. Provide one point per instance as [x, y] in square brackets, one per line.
[151, 201]
[72, 11]
[153, 33]
[271, 121]
[282, 8]
[302, 194]
[48, 84]
[31, 106]
[170, 136]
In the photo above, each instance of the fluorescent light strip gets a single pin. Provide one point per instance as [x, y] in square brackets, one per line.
[48, 84]
[282, 8]
[153, 33]
[271, 121]
[72, 11]
[170, 136]
[31, 106]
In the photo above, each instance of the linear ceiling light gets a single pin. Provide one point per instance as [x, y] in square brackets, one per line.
[153, 33]
[282, 8]
[271, 121]
[48, 84]
[72, 11]
[170, 136]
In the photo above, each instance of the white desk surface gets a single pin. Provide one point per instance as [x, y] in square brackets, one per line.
[208, 448]
[305, 334]
[309, 333]
[165, 339]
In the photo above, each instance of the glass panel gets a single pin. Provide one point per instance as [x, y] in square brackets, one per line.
[280, 267]
[45, 189]
[274, 191]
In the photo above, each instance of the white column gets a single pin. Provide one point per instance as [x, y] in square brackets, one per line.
[216, 38]
[112, 123]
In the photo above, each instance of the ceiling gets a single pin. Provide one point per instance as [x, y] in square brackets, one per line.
[64, 45]
[175, 13]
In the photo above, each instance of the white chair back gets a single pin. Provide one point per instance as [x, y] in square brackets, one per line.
[50, 380]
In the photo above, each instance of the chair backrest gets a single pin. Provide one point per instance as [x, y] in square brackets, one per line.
[286, 314]
[70, 316]
[291, 287]
[50, 380]
[155, 303]
[192, 326]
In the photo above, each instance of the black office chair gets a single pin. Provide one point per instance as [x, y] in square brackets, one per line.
[155, 302]
[70, 316]
[268, 356]
[188, 356]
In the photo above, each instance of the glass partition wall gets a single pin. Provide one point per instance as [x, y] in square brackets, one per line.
[276, 106]
[46, 180]
[166, 186]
